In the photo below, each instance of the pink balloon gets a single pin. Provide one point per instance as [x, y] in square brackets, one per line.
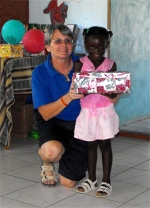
[33, 41]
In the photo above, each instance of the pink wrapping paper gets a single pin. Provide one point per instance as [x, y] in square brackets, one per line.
[102, 82]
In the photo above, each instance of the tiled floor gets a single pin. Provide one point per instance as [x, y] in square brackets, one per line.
[138, 129]
[20, 184]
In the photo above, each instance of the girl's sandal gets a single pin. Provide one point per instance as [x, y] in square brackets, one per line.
[104, 190]
[88, 185]
[48, 178]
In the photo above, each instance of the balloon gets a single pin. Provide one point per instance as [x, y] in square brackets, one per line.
[33, 41]
[13, 31]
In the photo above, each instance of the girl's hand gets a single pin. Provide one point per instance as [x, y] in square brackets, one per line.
[114, 100]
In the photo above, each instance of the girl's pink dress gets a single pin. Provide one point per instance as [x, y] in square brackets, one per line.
[97, 119]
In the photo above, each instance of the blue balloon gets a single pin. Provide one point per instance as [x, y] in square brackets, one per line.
[13, 31]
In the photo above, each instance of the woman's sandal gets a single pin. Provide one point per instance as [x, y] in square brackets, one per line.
[88, 185]
[104, 190]
[47, 178]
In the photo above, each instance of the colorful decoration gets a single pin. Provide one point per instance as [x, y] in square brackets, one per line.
[33, 41]
[13, 31]
[11, 51]
[57, 13]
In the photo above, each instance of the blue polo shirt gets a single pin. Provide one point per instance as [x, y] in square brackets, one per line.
[48, 85]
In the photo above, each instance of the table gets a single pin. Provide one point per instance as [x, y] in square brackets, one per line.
[15, 78]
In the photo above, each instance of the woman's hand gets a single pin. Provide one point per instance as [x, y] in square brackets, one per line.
[72, 92]
[114, 100]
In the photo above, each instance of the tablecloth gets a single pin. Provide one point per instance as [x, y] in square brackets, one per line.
[15, 78]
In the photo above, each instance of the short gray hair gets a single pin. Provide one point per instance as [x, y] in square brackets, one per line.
[63, 29]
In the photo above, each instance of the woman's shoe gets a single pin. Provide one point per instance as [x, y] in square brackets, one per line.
[48, 178]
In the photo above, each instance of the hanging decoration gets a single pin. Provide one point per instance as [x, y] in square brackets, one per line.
[57, 13]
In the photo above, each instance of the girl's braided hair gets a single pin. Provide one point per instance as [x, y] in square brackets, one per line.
[97, 31]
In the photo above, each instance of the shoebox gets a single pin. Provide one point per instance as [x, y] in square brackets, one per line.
[22, 116]
[102, 82]
[11, 51]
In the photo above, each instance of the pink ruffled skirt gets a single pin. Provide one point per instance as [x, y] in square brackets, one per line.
[101, 124]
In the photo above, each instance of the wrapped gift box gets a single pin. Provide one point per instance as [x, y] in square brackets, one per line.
[11, 51]
[102, 82]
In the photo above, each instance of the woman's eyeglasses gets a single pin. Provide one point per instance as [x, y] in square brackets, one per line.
[59, 41]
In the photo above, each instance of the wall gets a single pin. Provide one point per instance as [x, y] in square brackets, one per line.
[11, 9]
[86, 13]
[130, 23]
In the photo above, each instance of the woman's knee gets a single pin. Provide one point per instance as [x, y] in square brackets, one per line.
[67, 182]
[51, 150]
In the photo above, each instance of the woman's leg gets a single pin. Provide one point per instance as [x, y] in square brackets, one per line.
[66, 182]
[50, 152]
[105, 146]
[73, 164]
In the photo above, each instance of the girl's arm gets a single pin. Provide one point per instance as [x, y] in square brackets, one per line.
[77, 66]
[113, 96]
[114, 68]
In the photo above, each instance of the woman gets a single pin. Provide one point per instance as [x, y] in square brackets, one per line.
[57, 107]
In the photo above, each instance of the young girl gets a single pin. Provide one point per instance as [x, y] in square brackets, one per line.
[98, 122]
